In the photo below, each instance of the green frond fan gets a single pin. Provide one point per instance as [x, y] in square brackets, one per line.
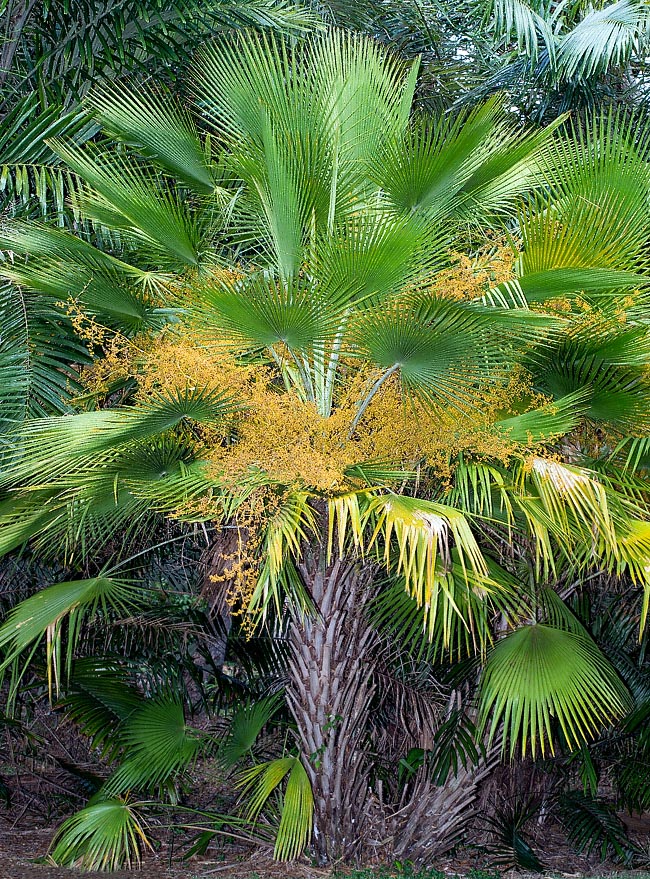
[105, 835]
[541, 682]
[296, 804]
[57, 614]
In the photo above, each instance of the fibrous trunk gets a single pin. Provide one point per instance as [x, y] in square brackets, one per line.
[431, 819]
[329, 694]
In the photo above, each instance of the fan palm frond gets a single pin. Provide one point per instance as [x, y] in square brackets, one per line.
[538, 676]
[158, 127]
[44, 614]
[604, 39]
[548, 422]
[120, 195]
[158, 745]
[245, 727]
[259, 783]
[99, 699]
[105, 835]
[440, 347]
[47, 447]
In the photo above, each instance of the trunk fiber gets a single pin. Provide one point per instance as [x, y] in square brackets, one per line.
[329, 693]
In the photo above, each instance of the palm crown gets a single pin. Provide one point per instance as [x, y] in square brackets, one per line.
[288, 345]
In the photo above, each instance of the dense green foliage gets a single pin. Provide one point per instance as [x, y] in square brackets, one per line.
[324, 420]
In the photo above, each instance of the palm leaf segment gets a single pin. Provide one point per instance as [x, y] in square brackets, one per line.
[540, 674]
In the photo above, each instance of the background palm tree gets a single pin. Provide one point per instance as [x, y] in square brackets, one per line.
[282, 344]
[548, 57]
[54, 53]
[559, 56]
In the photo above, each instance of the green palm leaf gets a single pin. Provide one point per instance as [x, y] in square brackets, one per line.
[427, 167]
[157, 744]
[264, 312]
[121, 195]
[538, 676]
[48, 447]
[374, 256]
[154, 123]
[574, 502]
[43, 616]
[523, 22]
[245, 726]
[608, 369]
[440, 347]
[548, 422]
[259, 783]
[99, 289]
[99, 699]
[469, 167]
[339, 97]
[292, 523]
[458, 620]
[603, 39]
[103, 836]
[39, 357]
[31, 175]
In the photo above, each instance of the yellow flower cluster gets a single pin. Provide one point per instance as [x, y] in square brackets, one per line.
[241, 554]
[277, 434]
[85, 326]
[469, 277]
[122, 360]
[285, 437]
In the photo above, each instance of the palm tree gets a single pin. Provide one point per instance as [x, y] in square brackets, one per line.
[408, 445]
[562, 56]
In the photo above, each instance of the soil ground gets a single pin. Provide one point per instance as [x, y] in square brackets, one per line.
[22, 856]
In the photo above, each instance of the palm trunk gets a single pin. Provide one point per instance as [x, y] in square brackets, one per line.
[16, 17]
[329, 694]
[431, 820]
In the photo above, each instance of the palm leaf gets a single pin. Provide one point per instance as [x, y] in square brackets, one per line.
[289, 526]
[94, 41]
[259, 783]
[434, 549]
[43, 616]
[608, 369]
[539, 675]
[592, 825]
[605, 38]
[105, 835]
[31, 176]
[245, 726]
[154, 123]
[121, 195]
[330, 94]
[458, 622]
[548, 422]
[157, 746]
[573, 504]
[49, 447]
[372, 257]
[99, 699]
[40, 359]
[521, 21]
[264, 312]
[441, 347]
